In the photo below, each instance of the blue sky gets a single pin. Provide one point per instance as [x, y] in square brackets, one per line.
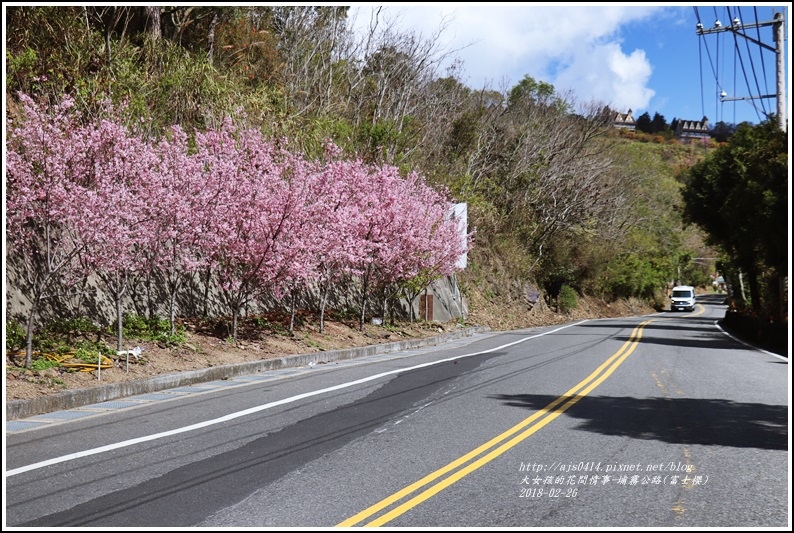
[643, 57]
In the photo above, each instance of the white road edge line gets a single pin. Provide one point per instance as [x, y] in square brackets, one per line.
[232, 416]
[737, 339]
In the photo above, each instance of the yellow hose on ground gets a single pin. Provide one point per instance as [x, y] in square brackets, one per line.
[68, 360]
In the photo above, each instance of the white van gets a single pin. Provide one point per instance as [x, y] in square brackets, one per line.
[682, 298]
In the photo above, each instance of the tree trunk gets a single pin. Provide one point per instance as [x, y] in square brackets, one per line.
[755, 293]
[172, 310]
[292, 312]
[29, 334]
[323, 303]
[741, 287]
[363, 303]
[235, 314]
[211, 36]
[207, 291]
[108, 29]
[153, 22]
[119, 323]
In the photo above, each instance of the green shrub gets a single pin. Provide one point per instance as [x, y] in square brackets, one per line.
[43, 363]
[15, 336]
[151, 329]
[52, 345]
[71, 326]
[568, 299]
[86, 355]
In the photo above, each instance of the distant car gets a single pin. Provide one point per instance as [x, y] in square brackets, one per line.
[682, 298]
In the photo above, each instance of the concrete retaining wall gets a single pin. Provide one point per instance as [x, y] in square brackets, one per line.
[197, 298]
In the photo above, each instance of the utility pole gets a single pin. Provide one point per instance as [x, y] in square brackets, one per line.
[781, 97]
[778, 34]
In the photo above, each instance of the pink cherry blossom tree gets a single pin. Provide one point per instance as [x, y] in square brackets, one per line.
[265, 220]
[378, 201]
[336, 215]
[303, 240]
[254, 215]
[438, 243]
[181, 201]
[405, 233]
[48, 213]
[117, 186]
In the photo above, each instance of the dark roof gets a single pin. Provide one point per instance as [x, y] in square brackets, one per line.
[689, 127]
[619, 119]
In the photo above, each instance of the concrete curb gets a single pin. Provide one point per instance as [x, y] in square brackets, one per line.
[70, 399]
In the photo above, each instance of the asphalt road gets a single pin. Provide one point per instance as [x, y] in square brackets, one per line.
[654, 421]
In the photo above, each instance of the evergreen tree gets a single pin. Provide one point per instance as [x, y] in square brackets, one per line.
[644, 123]
[739, 197]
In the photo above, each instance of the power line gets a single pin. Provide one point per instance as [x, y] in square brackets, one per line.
[700, 62]
[736, 24]
[758, 36]
[738, 28]
[752, 65]
[719, 65]
[711, 63]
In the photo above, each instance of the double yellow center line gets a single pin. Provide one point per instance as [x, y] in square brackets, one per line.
[529, 427]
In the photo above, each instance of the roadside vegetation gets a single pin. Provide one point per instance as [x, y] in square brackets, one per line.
[560, 204]
[79, 345]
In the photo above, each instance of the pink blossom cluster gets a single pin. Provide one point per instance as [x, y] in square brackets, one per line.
[86, 196]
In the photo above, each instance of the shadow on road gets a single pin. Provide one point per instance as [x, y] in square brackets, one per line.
[676, 420]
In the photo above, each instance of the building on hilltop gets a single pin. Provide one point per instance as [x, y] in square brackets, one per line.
[620, 120]
[692, 129]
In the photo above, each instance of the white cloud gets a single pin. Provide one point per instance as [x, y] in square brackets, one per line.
[575, 48]
[605, 74]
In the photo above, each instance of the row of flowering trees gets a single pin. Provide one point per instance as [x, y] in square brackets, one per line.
[86, 196]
